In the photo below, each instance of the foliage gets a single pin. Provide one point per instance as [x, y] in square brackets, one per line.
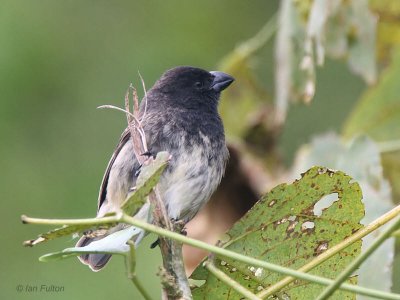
[378, 114]
[361, 158]
[307, 32]
[285, 228]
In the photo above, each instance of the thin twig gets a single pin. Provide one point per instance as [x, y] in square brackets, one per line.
[134, 130]
[116, 108]
[230, 254]
[389, 146]
[93, 221]
[229, 281]
[135, 102]
[358, 261]
[132, 117]
[145, 95]
[255, 43]
[130, 260]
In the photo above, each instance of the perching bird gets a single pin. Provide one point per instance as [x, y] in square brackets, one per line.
[181, 118]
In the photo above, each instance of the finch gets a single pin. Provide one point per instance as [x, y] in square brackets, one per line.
[180, 116]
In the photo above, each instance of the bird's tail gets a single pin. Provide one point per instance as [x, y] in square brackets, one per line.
[95, 261]
[114, 240]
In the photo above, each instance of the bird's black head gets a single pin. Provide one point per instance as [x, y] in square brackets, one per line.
[190, 87]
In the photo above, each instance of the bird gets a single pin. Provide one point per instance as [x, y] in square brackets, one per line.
[179, 115]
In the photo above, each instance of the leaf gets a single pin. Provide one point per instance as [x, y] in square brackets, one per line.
[362, 40]
[361, 159]
[388, 36]
[391, 166]
[114, 243]
[309, 31]
[288, 54]
[63, 231]
[146, 181]
[377, 114]
[284, 229]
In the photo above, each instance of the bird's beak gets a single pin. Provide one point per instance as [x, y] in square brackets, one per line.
[221, 81]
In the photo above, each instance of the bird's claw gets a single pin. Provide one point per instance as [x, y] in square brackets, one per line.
[148, 154]
[155, 243]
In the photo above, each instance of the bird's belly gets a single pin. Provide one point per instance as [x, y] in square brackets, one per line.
[189, 182]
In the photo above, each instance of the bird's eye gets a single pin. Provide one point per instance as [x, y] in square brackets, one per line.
[198, 84]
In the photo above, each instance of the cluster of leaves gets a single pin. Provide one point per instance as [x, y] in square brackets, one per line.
[309, 30]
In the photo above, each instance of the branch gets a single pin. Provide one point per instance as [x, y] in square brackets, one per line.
[134, 125]
[171, 251]
[93, 221]
[130, 260]
[389, 146]
[236, 256]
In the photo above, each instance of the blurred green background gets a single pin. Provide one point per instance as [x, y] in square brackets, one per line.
[59, 60]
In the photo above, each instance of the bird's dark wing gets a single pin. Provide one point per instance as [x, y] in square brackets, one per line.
[103, 188]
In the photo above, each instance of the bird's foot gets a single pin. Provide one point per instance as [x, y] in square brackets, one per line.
[179, 226]
[155, 243]
[148, 154]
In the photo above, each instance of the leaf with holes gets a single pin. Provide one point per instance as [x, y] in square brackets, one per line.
[361, 159]
[286, 228]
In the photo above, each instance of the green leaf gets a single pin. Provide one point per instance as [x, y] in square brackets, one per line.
[56, 233]
[284, 229]
[63, 231]
[361, 159]
[377, 114]
[147, 180]
[114, 243]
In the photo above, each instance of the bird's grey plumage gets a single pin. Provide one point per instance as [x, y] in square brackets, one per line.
[180, 117]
